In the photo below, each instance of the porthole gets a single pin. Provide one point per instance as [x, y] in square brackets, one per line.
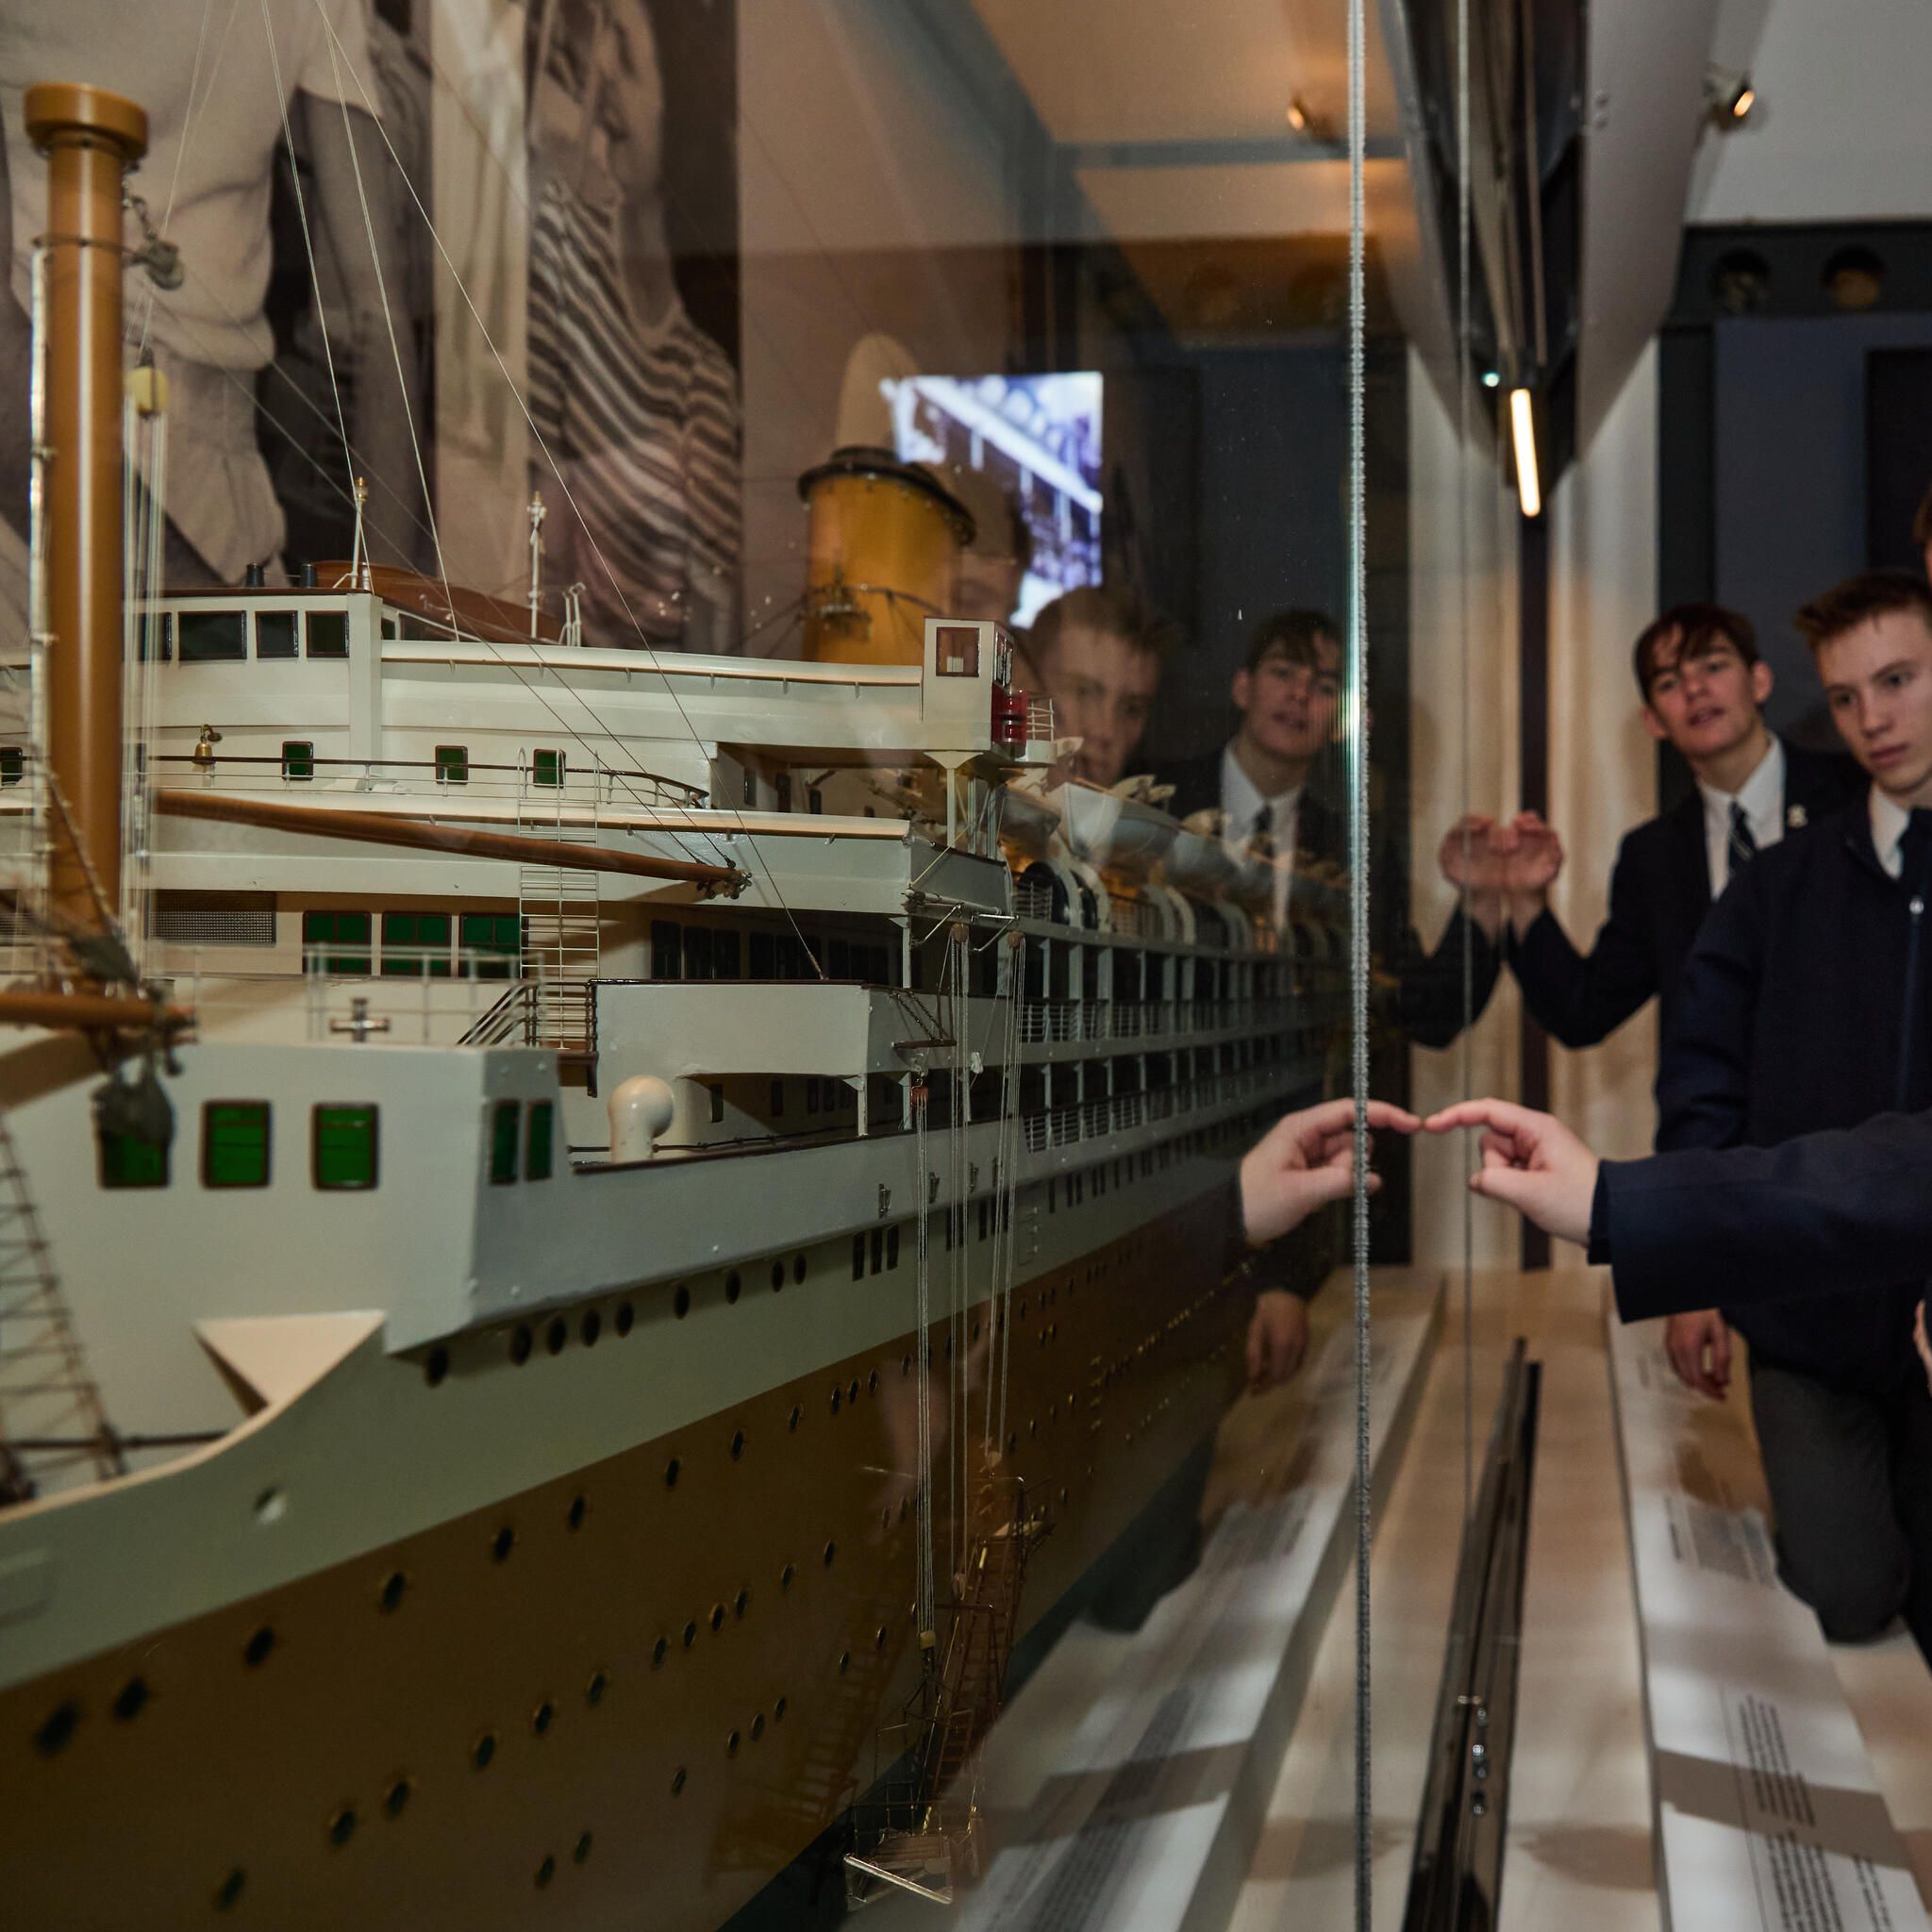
[590, 1327]
[785, 1576]
[741, 1602]
[733, 1287]
[543, 1718]
[519, 1344]
[795, 1417]
[396, 1799]
[757, 1728]
[717, 1617]
[558, 1334]
[680, 1302]
[575, 1515]
[436, 1366]
[831, 1551]
[878, 1637]
[659, 1651]
[778, 1712]
[677, 1778]
[483, 1751]
[581, 1850]
[394, 1585]
[132, 1700]
[777, 1276]
[342, 1826]
[691, 1633]
[502, 1543]
[838, 1397]
[671, 1469]
[625, 1318]
[258, 1647]
[594, 1689]
[731, 1744]
[845, 1661]
[229, 1890]
[737, 1444]
[545, 1871]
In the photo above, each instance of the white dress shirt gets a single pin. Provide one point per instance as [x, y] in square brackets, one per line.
[1889, 822]
[1762, 795]
[1242, 806]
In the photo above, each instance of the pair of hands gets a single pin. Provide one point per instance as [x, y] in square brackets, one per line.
[1507, 870]
[1531, 1162]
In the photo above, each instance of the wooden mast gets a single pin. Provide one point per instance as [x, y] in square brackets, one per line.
[90, 139]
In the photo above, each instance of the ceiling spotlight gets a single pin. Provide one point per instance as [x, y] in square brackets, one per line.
[1728, 95]
[1492, 380]
[1297, 115]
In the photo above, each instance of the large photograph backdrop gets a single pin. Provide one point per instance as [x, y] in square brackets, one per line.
[578, 159]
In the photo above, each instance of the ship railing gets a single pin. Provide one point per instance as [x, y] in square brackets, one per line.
[1094, 1115]
[1160, 1104]
[1033, 1131]
[1040, 727]
[1093, 1021]
[1129, 1110]
[415, 998]
[1126, 1020]
[304, 775]
[1032, 899]
[1032, 1022]
[1064, 1126]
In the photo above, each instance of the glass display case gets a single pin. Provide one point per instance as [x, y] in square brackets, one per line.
[764, 768]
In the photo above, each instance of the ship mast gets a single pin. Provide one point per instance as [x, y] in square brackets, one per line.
[90, 139]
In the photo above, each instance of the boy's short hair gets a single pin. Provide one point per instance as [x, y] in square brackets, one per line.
[1299, 632]
[1113, 613]
[1683, 631]
[1858, 600]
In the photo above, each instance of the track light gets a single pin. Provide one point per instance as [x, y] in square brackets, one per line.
[1728, 96]
[1529, 490]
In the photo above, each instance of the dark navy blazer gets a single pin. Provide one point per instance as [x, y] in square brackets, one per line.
[1659, 892]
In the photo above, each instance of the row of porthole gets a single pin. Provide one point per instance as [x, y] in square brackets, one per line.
[523, 1341]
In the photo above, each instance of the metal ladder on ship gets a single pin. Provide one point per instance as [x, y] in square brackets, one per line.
[51, 1416]
[560, 918]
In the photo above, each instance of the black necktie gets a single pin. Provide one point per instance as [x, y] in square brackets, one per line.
[1261, 834]
[1740, 848]
[1915, 851]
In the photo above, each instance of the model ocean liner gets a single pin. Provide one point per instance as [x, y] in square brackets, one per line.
[588, 1239]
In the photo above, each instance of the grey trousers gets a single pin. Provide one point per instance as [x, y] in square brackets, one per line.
[1850, 1477]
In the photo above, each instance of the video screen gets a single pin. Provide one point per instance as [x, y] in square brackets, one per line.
[1038, 436]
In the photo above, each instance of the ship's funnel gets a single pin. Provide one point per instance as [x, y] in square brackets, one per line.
[90, 139]
[884, 545]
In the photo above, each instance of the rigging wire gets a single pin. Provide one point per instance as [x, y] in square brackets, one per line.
[275, 59]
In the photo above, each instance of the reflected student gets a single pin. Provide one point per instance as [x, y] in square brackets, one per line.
[1099, 655]
[1287, 691]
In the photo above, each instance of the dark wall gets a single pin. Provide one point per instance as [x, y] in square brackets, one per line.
[1273, 463]
[1788, 399]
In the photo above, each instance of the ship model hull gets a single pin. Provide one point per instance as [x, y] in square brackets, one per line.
[647, 1683]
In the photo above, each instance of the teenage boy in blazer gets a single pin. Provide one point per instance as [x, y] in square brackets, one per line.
[1704, 687]
[1807, 1005]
